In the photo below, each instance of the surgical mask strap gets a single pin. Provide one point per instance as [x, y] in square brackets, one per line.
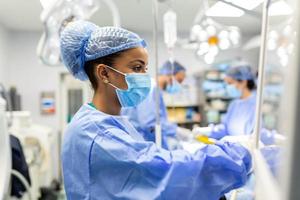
[117, 72]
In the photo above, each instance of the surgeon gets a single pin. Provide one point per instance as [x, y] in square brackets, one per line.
[240, 116]
[143, 116]
[103, 155]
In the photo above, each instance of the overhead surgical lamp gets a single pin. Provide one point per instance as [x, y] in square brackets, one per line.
[56, 15]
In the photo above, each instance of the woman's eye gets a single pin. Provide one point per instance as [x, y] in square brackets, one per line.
[137, 68]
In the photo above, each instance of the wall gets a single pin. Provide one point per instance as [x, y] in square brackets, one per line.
[3, 53]
[30, 76]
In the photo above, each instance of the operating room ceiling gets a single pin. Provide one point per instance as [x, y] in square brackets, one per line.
[135, 15]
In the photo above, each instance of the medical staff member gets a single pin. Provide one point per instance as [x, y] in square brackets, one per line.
[240, 116]
[143, 116]
[171, 75]
[104, 157]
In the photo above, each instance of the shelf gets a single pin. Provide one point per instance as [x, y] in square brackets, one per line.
[273, 83]
[185, 122]
[220, 97]
[218, 110]
[214, 80]
[182, 106]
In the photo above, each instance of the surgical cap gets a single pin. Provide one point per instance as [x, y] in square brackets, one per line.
[241, 72]
[83, 41]
[168, 69]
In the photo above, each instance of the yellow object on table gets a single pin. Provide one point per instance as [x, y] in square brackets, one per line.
[204, 139]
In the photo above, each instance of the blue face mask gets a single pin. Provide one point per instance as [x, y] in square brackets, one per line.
[173, 88]
[139, 85]
[233, 92]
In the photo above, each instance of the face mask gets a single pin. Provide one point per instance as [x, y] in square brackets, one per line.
[233, 92]
[173, 88]
[138, 84]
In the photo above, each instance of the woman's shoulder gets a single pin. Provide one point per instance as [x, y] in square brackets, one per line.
[87, 119]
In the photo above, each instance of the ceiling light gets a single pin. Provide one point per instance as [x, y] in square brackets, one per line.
[280, 8]
[221, 9]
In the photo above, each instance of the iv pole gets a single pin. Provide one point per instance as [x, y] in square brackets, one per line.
[262, 61]
[157, 99]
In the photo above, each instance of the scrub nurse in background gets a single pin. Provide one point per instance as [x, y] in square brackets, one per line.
[240, 116]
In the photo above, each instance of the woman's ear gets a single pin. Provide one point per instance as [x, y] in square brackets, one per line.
[101, 73]
[244, 83]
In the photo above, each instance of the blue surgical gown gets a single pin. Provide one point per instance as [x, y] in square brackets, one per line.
[143, 117]
[239, 119]
[104, 157]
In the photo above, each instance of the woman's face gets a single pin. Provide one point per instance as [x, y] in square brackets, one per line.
[241, 85]
[180, 76]
[131, 61]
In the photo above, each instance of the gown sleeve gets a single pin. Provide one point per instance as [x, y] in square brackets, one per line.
[123, 168]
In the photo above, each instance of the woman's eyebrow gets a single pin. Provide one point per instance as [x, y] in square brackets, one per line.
[138, 60]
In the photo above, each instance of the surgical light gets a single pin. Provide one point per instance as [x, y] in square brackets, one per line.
[224, 44]
[209, 58]
[203, 36]
[204, 47]
[213, 37]
[56, 15]
[213, 50]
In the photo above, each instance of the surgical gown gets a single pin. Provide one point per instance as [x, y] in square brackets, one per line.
[143, 117]
[239, 119]
[104, 157]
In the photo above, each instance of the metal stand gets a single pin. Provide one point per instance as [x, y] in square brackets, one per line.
[155, 42]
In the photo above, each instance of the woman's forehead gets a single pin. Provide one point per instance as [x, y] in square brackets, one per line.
[136, 54]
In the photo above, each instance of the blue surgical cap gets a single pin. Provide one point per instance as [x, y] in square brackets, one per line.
[241, 72]
[167, 68]
[83, 41]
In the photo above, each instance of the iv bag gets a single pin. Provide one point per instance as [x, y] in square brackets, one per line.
[170, 28]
